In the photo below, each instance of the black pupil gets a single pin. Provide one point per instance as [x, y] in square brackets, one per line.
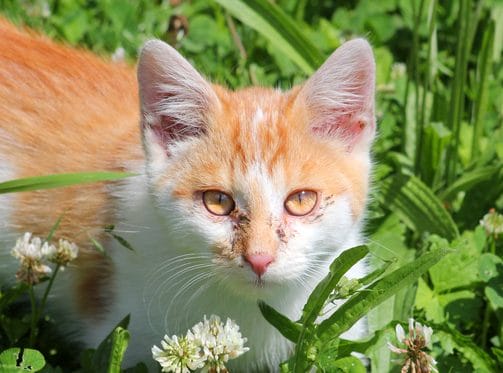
[299, 196]
[221, 197]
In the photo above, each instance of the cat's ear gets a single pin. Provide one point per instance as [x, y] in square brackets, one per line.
[175, 98]
[339, 97]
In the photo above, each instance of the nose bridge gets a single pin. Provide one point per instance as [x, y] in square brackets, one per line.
[262, 238]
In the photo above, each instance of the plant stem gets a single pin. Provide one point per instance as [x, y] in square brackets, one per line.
[33, 324]
[36, 312]
[47, 290]
[491, 248]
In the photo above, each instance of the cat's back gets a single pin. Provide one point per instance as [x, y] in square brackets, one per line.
[55, 99]
[62, 110]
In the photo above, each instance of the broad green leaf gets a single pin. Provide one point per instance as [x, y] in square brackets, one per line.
[488, 266]
[460, 267]
[59, 180]
[495, 296]
[427, 300]
[417, 206]
[470, 180]
[450, 338]
[269, 20]
[348, 364]
[285, 326]
[17, 360]
[359, 305]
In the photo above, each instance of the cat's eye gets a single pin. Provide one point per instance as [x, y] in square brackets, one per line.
[218, 203]
[301, 202]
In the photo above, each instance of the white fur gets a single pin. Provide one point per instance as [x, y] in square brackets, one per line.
[173, 279]
[7, 235]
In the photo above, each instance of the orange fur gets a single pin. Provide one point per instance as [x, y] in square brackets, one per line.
[64, 110]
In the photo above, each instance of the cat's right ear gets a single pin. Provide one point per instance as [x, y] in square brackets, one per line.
[175, 98]
[339, 97]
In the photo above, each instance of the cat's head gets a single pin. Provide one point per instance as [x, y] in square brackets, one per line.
[275, 183]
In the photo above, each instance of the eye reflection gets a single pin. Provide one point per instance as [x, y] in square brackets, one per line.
[301, 202]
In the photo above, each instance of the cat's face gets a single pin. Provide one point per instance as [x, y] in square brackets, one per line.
[273, 183]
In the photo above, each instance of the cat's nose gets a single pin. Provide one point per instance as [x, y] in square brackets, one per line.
[259, 262]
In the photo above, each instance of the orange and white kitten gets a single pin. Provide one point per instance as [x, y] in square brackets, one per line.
[239, 196]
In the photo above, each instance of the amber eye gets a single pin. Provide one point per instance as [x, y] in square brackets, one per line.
[218, 203]
[301, 202]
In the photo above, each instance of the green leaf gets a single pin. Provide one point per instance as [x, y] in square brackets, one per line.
[285, 326]
[59, 180]
[122, 241]
[321, 292]
[495, 295]
[358, 305]
[450, 337]
[417, 206]
[317, 300]
[269, 20]
[470, 180]
[348, 364]
[488, 266]
[108, 356]
[17, 359]
[459, 268]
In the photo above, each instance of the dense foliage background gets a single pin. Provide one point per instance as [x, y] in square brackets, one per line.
[439, 151]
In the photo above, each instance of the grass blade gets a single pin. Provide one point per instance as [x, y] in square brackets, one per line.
[481, 99]
[59, 180]
[270, 21]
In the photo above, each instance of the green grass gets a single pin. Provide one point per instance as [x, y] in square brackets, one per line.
[439, 153]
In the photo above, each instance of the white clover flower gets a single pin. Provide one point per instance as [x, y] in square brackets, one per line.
[31, 253]
[492, 223]
[220, 342]
[210, 344]
[178, 355]
[416, 360]
[64, 253]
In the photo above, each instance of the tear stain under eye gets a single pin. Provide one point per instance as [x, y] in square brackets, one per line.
[280, 231]
[241, 227]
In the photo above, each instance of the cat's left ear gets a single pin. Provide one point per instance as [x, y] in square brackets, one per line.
[175, 99]
[339, 96]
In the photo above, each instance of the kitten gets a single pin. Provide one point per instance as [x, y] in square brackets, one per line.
[239, 196]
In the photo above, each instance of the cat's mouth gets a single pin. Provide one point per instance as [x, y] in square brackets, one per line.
[259, 282]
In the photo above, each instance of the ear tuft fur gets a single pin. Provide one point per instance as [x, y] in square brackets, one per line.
[175, 98]
[340, 95]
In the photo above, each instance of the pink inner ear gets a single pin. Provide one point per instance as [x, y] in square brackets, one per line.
[166, 128]
[346, 126]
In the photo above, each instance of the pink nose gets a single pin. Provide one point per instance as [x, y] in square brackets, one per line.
[259, 262]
